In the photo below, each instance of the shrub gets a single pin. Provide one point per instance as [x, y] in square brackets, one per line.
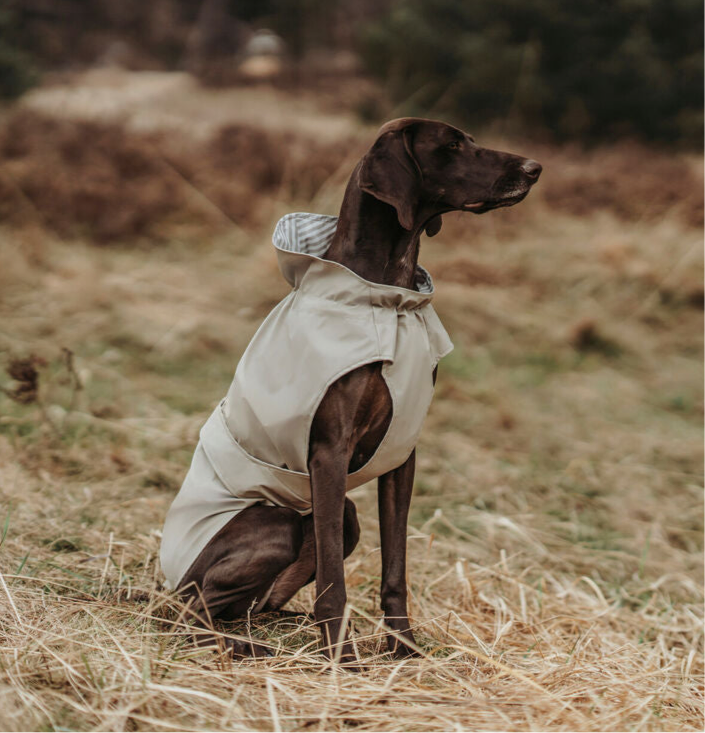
[588, 70]
[17, 70]
[112, 184]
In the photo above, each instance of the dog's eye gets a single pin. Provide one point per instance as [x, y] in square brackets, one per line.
[455, 145]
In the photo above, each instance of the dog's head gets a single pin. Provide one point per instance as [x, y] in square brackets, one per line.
[424, 168]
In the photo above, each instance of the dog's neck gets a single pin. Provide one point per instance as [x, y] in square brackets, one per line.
[370, 241]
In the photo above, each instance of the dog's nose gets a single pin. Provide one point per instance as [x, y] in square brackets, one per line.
[532, 169]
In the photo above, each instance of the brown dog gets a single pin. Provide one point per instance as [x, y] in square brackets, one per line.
[415, 171]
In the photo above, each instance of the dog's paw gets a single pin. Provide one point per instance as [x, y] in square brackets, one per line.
[350, 663]
[402, 651]
[240, 649]
[399, 649]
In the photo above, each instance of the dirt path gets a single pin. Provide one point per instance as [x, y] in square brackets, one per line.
[149, 100]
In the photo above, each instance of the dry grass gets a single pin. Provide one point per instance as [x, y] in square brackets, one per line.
[555, 541]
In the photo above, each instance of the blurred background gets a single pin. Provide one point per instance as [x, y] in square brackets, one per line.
[595, 71]
[214, 109]
[147, 150]
[272, 97]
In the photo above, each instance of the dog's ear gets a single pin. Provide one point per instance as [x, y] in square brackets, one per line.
[433, 225]
[390, 173]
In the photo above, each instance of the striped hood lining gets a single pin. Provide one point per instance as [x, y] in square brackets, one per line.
[311, 234]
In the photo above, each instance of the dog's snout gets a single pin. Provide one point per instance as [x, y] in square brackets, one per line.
[531, 169]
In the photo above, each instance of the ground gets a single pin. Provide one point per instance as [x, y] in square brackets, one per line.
[555, 537]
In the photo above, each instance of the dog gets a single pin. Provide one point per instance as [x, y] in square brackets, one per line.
[332, 392]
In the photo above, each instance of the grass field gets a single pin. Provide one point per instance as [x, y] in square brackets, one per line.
[555, 538]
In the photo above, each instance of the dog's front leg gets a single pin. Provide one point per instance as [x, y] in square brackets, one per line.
[394, 497]
[328, 471]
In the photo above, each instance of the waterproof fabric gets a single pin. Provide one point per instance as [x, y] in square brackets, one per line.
[254, 447]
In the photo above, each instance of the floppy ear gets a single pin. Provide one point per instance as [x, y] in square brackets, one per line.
[390, 173]
[433, 225]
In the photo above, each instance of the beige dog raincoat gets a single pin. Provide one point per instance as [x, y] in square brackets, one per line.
[254, 447]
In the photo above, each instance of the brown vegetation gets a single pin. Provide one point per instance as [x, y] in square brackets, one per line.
[106, 183]
[634, 181]
[102, 180]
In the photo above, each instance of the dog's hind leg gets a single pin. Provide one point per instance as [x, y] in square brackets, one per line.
[237, 568]
[303, 570]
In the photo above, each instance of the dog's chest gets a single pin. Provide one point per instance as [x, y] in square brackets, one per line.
[303, 347]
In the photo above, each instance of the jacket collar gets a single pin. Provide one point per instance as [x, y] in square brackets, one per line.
[301, 239]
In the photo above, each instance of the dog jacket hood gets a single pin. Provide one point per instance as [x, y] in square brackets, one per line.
[254, 447]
